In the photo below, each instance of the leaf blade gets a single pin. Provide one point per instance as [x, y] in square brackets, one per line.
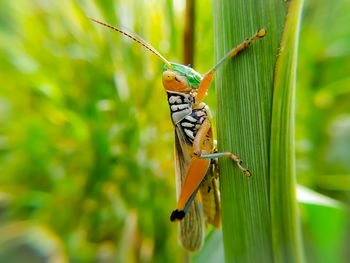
[286, 232]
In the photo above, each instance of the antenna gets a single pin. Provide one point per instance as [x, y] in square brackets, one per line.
[136, 39]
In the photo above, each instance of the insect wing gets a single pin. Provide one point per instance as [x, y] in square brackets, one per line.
[210, 197]
[191, 228]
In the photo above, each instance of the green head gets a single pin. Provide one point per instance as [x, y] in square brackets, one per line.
[178, 76]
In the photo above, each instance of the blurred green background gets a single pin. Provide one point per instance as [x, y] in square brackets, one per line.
[86, 142]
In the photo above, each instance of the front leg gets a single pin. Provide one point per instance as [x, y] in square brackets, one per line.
[231, 156]
[198, 148]
[200, 137]
[208, 77]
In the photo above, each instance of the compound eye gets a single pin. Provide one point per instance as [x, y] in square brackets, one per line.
[168, 75]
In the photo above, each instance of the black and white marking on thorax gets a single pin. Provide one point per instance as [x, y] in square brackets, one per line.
[185, 118]
[180, 105]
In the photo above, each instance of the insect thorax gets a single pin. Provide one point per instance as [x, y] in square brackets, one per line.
[184, 116]
[180, 105]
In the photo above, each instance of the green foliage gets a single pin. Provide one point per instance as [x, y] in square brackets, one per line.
[85, 151]
[244, 89]
[86, 143]
[325, 239]
[323, 127]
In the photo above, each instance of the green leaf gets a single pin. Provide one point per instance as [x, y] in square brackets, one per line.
[213, 249]
[246, 114]
[286, 235]
[325, 240]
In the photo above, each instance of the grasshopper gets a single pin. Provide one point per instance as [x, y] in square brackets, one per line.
[196, 167]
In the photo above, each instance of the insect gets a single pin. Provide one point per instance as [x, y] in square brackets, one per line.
[196, 167]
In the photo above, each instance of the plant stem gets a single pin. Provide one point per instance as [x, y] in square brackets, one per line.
[244, 98]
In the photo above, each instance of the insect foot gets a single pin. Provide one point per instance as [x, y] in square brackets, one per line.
[247, 173]
[244, 170]
[261, 32]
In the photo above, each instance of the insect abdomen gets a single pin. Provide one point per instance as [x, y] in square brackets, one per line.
[210, 198]
[192, 122]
